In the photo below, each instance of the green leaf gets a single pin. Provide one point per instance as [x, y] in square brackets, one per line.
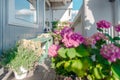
[100, 43]
[87, 62]
[116, 38]
[60, 63]
[99, 29]
[82, 51]
[102, 60]
[117, 44]
[110, 38]
[97, 73]
[95, 51]
[71, 53]
[115, 78]
[53, 59]
[77, 68]
[90, 77]
[115, 67]
[53, 65]
[67, 65]
[77, 65]
[62, 52]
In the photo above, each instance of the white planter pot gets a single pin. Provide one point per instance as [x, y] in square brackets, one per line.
[21, 76]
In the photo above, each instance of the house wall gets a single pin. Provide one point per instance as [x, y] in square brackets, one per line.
[78, 22]
[117, 11]
[1, 24]
[48, 16]
[78, 28]
[91, 12]
[62, 13]
[9, 34]
[95, 10]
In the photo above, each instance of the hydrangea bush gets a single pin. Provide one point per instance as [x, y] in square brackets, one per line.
[92, 58]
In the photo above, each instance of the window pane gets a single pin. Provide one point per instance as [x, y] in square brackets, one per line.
[26, 10]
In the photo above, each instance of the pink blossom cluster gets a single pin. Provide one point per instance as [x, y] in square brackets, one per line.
[98, 36]
[117, 28]
[110, 52]
[103, 24]
[70, 38]
[89, 41]
[94, 38]
[53, 50]
[66, 30]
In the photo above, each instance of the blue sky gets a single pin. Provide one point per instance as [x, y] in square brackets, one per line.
[77, 4]
[24, 4]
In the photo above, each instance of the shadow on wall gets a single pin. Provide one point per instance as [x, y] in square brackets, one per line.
[96, 10]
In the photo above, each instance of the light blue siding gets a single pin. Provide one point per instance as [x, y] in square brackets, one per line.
[9, 34]
[0, 25]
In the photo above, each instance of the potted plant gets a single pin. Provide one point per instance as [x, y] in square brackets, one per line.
[89, 58]
[22, 58]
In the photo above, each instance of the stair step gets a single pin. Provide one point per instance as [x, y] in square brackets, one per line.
[4, 74]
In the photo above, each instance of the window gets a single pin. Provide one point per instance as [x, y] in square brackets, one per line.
[23, 13]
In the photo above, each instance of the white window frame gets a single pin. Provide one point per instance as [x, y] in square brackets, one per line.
[18, 22]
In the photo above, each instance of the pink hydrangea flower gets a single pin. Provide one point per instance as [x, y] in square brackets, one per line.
[117, 28]
[72, 39]
[110, 52]
[66, 30]
[53, 50]
[98, 36]
[89, 41]
[103, 24]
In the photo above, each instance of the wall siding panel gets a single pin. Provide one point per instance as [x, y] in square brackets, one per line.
[12, 33]
[1, 25]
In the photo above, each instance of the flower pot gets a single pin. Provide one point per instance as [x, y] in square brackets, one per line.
[22, 75]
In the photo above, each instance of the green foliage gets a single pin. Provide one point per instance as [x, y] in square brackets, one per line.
[99, 29]
[110, 38]
[62, 52]
[78, 61]
[71, 53]
[100, 43]
[79, 51]
[71, 60]
[7, 56]
[116, 38]
[82, 51]
[18, 57]
[97, 73]
[116, 69]
[55, 23]
[59, 24]
[86, 61]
